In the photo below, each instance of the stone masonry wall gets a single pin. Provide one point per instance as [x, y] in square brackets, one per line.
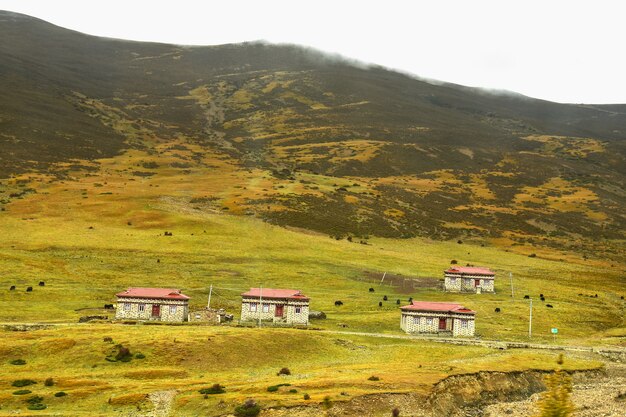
[129, 308]
[290, 316]
[428, 322]
[465, 283]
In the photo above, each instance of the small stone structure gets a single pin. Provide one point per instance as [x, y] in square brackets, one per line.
[279, 306]
[446, 319]
[210, 315]
[469, 279]
[152, 304]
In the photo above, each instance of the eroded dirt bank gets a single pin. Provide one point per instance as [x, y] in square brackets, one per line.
[487, 394]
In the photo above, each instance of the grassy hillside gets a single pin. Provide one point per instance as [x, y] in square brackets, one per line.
[275, 166]
[327, 146]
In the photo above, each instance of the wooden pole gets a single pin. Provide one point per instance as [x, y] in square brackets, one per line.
[260, 303]
[208, 305]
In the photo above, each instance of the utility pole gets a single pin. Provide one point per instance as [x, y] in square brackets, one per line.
[530, 320]
[208, 305]
[260, 303]
[511, 279]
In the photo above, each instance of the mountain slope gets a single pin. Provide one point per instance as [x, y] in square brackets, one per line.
[307, 141]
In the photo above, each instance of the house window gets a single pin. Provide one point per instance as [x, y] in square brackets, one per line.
[126, 306]
[173, 309]
[452, 281]
[142, 307]
[266, 308]
[253, 307]
[464, 324]
[429, 320]
[298, 310]
[416, 320]
[468, 281]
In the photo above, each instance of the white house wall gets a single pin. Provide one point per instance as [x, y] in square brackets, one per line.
[289, 313]
[130, 309]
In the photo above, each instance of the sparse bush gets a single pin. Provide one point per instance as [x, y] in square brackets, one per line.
[18, 362]
[556, 401]
[293, 391]
[107, 339]
[284, 371]
[248, 409]
[123, 354]
[307, 397]
[326, 402]
[36, 399]
[48, 382]
[274, 388]
[37, 406]
[60, 394]
[23, 383]
[140, 356]
[214, 389]
[373, 378]
[22, 392]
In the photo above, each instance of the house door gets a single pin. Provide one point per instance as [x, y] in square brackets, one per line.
[156, 310]
[476, 283]
[279, 310]
[442, 324]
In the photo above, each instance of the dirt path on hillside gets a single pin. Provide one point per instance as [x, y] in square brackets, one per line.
[162, 401]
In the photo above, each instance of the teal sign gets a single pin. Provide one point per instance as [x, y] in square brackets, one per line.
[555, 330]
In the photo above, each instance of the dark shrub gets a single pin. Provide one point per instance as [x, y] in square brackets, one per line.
[373, 378]
[37, 406]
[307, 397]
[123, 354]
[60, 394]
[532, 255]
[327, 402]
[459, 242]
[107, 339]
[395, 412]
[293, 391]
[214, 389]
[48, 382]
[23, 383]
[274, 388]
[36, 399]
[248, 409]
[454, 262]
[22, 392]
[18, 362]
[284, 371]
[140, 356]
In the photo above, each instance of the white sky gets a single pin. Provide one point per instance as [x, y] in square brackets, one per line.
[566, 51]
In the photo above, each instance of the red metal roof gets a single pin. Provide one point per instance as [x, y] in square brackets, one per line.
[474, 270]
[167, 293]
[435, 306]
[275, 293]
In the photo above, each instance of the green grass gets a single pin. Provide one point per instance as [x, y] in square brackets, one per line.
[245, 361]
[85, 251]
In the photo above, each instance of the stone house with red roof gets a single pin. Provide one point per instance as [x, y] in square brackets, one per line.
[442, 318]
[152, 304]
[280, 306]
[469, 279]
